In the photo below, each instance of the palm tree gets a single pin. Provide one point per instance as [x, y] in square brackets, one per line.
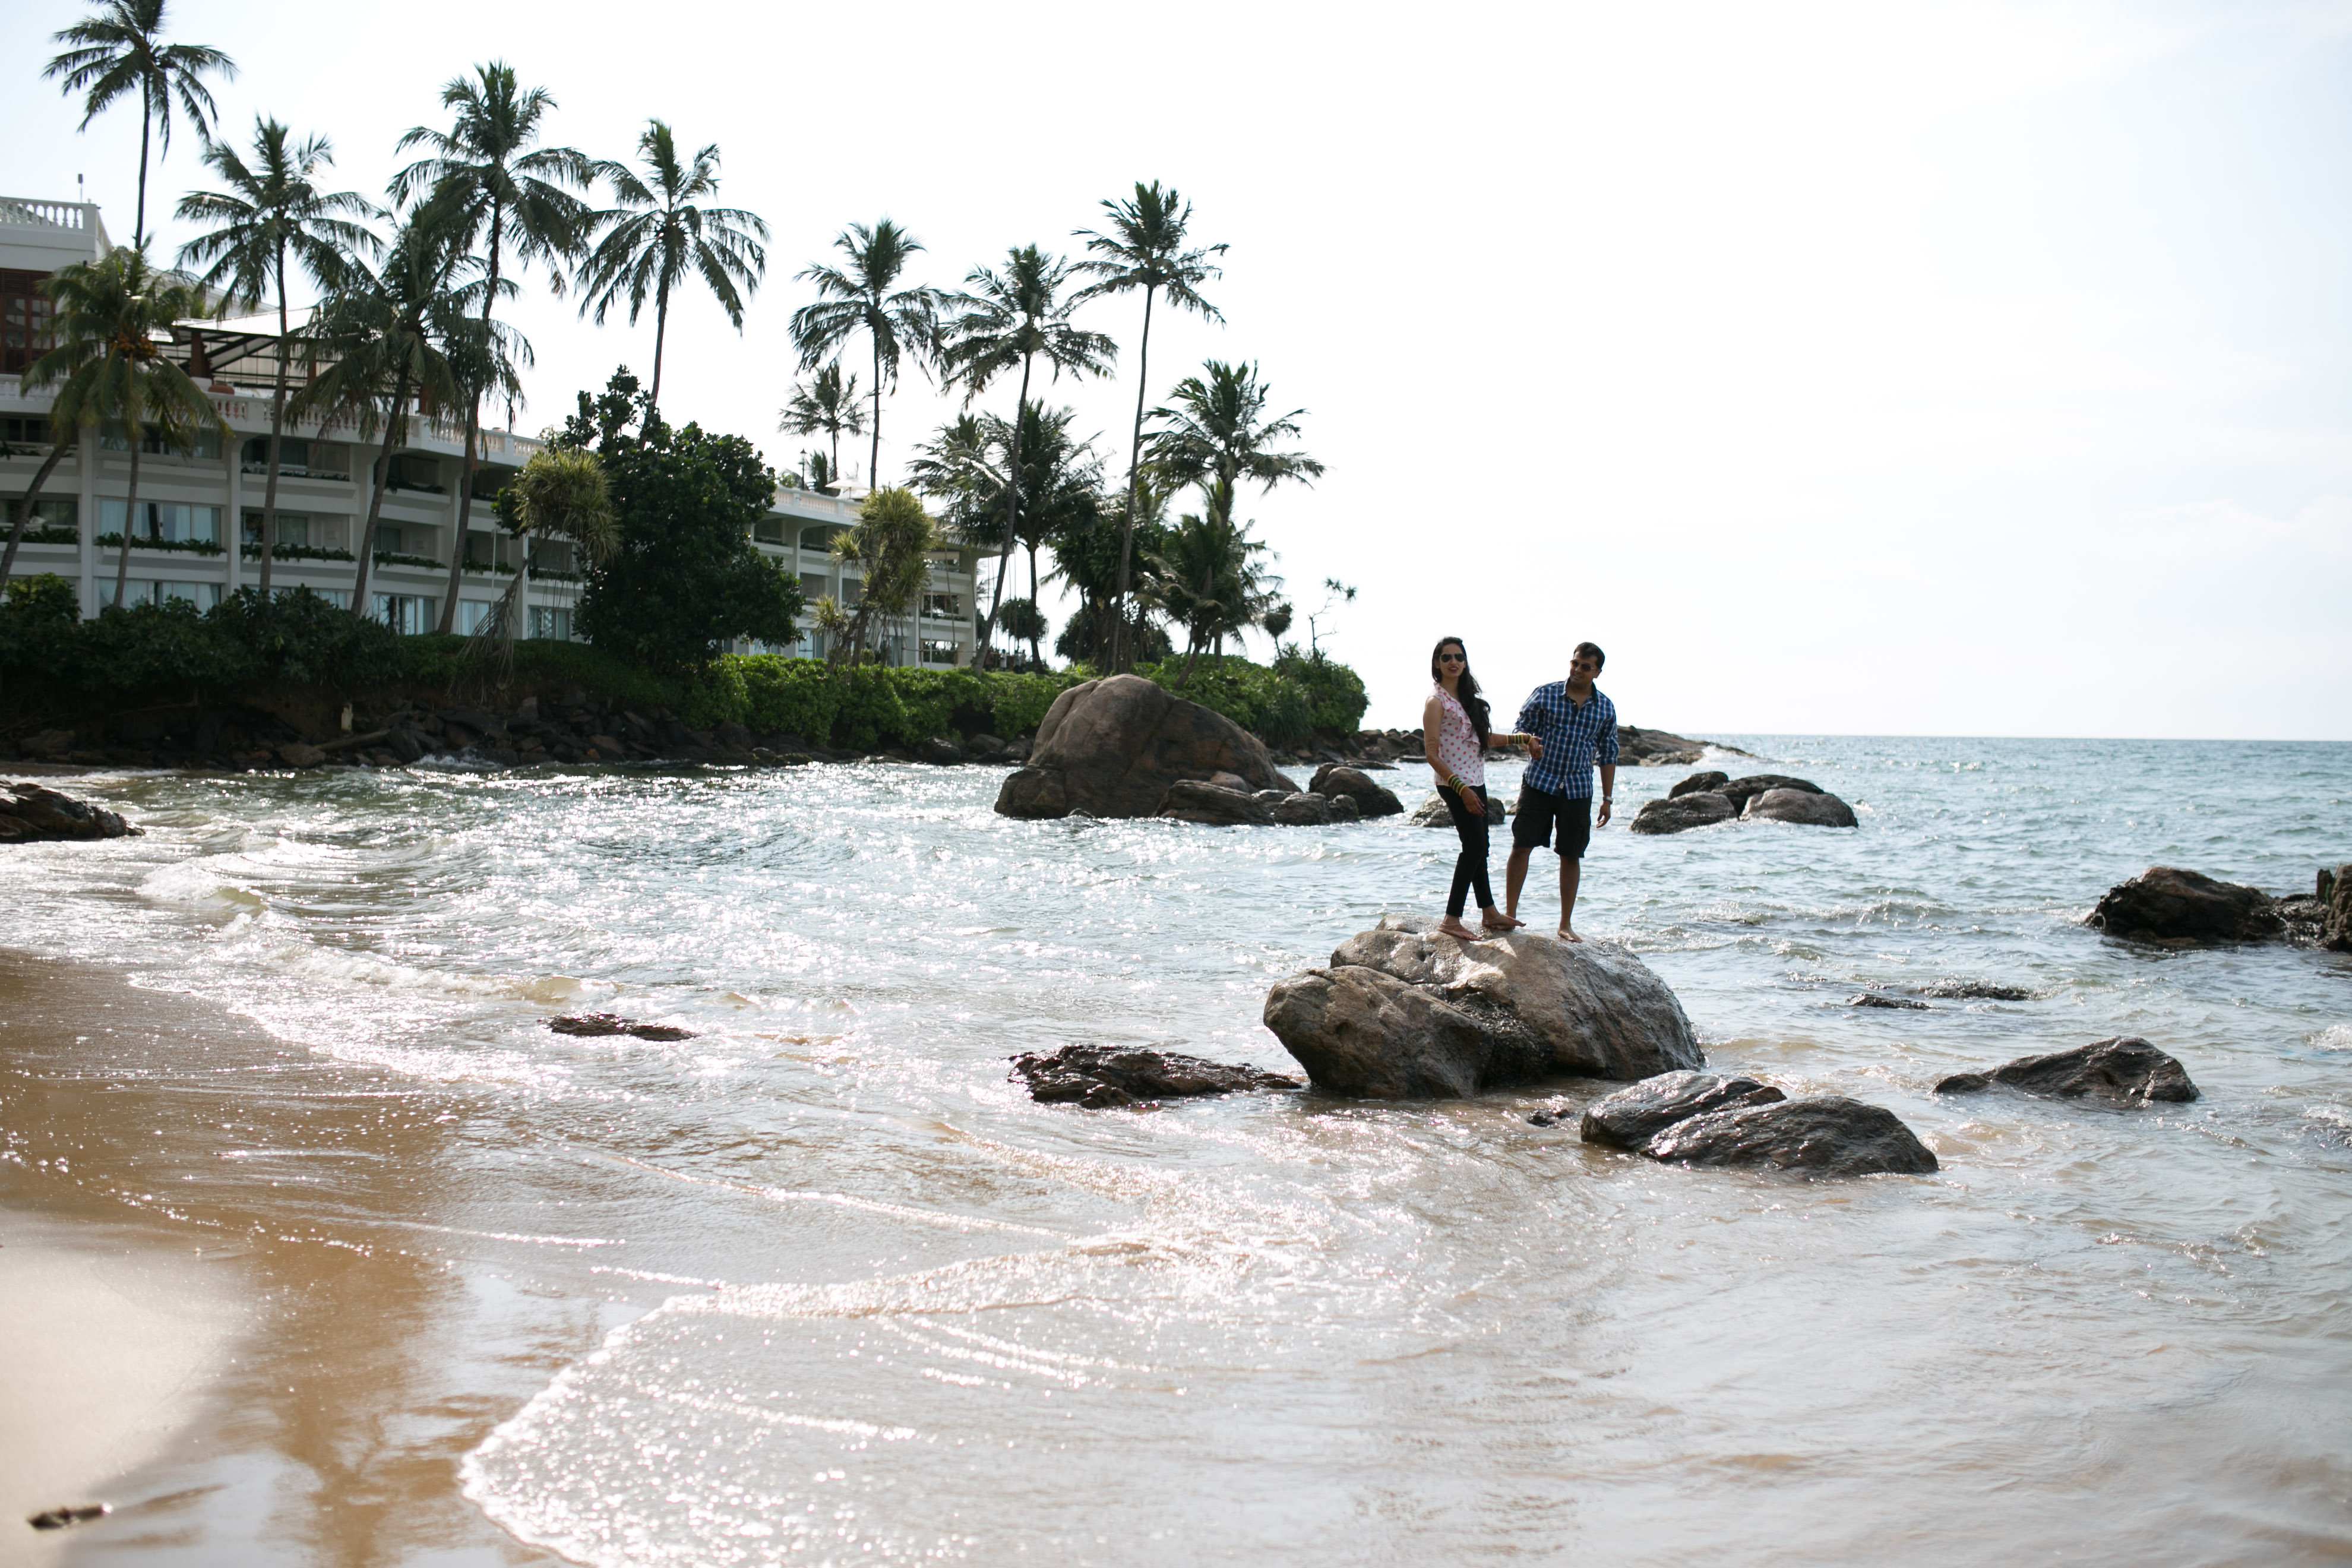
[1145, 249]
[272, 212]
[890, 544]
[971, 465]
[1210, 582]
[1014, 317]
[656, 236]
[867, 297]
[120, 50]
[1217, 437]
[1087, 547]
[110, 315]
[507, 193]
[828, 406]
[382, 332]
[560, 494]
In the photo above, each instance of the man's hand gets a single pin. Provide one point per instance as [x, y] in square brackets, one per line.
[1603, 819]
[1535, 748]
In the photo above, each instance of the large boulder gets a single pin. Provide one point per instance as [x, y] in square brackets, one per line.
[1740, 792]
[1098, 1077]
[1630, 1118]
[1189, 801]
[31, 811]
[1680, 814]
[1827, 1135]
[1404, 1012]
[2164, 903]
[1697, 781]
[1371, 800]
[1431, 812]
[2335, 926]
[1113, 747]
[2122, 1070]
[1814, 808]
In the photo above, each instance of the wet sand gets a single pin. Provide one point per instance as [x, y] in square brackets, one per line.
[228, 1313]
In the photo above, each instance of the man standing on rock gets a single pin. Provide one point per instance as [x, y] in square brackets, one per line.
[1573, 725]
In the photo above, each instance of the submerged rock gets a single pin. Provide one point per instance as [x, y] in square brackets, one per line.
[1431, 812]
[2164, 903]
[1099, 1076]
[612, 1024]
[1812, 809]
[1975, 991]
[1371, 800]
[1827, 1135]
[30, 813]
[1680, 814]
[1188, 801]
[2122, 1070]
[1630, 1118]
[1115, 747]
[2335, 925]
[1700, 783]
[1402, 1012]
[1873, 999]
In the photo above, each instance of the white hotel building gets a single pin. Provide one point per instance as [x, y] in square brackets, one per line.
[197, 535]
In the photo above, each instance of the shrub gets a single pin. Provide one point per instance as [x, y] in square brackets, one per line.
[1020, 701]
[300, 639]
[789, 696]
[870, 713]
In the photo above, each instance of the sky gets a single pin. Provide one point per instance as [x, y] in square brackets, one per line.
[1839, 368]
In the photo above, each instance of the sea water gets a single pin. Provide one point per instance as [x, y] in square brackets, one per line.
[892, 1309]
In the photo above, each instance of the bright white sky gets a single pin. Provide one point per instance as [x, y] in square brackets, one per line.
[1867, 368]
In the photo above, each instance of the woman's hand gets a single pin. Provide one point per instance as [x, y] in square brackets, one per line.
[1471, 802]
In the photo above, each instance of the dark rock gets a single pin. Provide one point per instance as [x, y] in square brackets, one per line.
[472, 719]
[2335, 928]
[605, 749]
[2164, 903]
[31, 812]
[1120, 743]
[1680, 814]
[59, 1517]
[1812, 809]
[1371, 800]
[1431, 812]
[1975, 991]
[405, 744]
[50, 743]
[1099, 1075]
[1630, 1118]
[1740, 792]
[1873, 999]
[1547, 1118]
[2124, 1070]
[505, 756]
[1303, 810]
[1661, 748]
[295, 754]
[1827, 1135]
[734, 737]
[985, 747]
[1206, 803]
[1698, 783]
[1344, 808]
[611, 1023]
[939, 751]
[527, 710]
[1404, 1012]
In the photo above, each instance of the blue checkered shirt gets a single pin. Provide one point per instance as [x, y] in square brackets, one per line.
[1573, 738]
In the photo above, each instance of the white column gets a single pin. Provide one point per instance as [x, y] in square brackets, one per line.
[233, 523]
[86, 464]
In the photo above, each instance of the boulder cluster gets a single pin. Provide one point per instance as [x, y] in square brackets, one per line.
[1706, 798]
[2122, 1070]
[1702, 1119]
[1101, 1078]
[31, 812]
[2169, 907]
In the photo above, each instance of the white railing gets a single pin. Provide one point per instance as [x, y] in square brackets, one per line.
[48, 215]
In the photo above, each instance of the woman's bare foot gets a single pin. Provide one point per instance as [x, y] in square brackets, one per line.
[1568, 933]
[1496, 919]
[1453, 927]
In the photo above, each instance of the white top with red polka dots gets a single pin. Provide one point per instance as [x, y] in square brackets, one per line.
[1457, 742]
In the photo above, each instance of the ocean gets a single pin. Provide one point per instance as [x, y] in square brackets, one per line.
[820, 1285]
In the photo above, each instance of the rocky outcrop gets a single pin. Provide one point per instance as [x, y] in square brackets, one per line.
[1698, 781]
[1817, 808]
[2166, 904]
[1114, 747]
[602, 1023]
[2122, 1070]
[1826, 1135]
[1661, 747]
[1975, 991]
[1431, 812]
[1740, 790]
[1680, 814]
[2335, 900]
[1404, 1013]
[1190, 801]
[30, 813]
[1630, 1118]
[1099, 1076]
[1876, 999]
[1335, 780]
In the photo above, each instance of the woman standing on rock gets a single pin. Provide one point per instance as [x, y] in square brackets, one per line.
[1454, 736]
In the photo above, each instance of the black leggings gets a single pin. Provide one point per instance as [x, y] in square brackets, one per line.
[1470, 866]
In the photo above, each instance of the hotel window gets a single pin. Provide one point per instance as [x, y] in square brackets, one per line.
[25, 430]
[768, 531]
[387, 538]
[205, 441]
[813, 586]
[24, 315]
[164, 520]
[472, 613]
[293, 456]
[203, 595]
[407, 613]
[551, 622]
[46, 513]
[293, 528]
[943, 607]
[936, 652]
[410, 472]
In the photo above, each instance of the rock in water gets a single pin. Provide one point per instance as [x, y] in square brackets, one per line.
[1431, 812]
[1190, 801]
[1371, 800]
[1113, 747]
[2335, 929]
[596, 1023]
[1873, 999]
[1698, 783]
[2124, 1070]
[1976, 991]
[30, 813]
[1740, 792]
[1405, 1013]
[1630, 1118]
[1679, 813]
[1828, 1135]
[1098, 1077]
[1814, 808]
[2164, 903]
[1303, 810]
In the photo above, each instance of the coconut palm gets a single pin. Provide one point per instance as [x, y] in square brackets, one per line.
[1146, 249]
[1088, 547]
[866, 297]
[112, 322]
[1017, 317]
[383, 333]
[656, 236]
[120, 50]
[509, 194]
[1210, 582]
[269, 215]
[1218, 435]
[826, 406]
[955, 468]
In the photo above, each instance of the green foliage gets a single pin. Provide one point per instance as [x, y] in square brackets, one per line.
[300, 639]
[47, 598]
[862, 707]
[1284, 703]
[1021, 700]
[871, 715]
[1335, 691]
[441, 663]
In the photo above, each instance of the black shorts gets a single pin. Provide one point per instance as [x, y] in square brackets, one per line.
[1531, 824]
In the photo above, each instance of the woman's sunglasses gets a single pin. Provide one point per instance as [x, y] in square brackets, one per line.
[1452, 658]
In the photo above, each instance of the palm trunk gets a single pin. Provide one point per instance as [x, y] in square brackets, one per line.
[1119, 654]
[1036, 652]
[129, 516]
[473, 436]
[874, 464]
[24, 506]
[277, 436]
[364, 546]
[146, 124]
[661, 330]
[1011, 506]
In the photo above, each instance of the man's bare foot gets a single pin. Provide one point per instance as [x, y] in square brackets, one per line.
[1454, 928]
[1568, 934]
[1496, 919]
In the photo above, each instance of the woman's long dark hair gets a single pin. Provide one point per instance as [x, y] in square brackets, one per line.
[1465, 690]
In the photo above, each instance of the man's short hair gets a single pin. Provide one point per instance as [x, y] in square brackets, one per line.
[1600, 659]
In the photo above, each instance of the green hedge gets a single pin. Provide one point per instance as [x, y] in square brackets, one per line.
[1286, 703]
